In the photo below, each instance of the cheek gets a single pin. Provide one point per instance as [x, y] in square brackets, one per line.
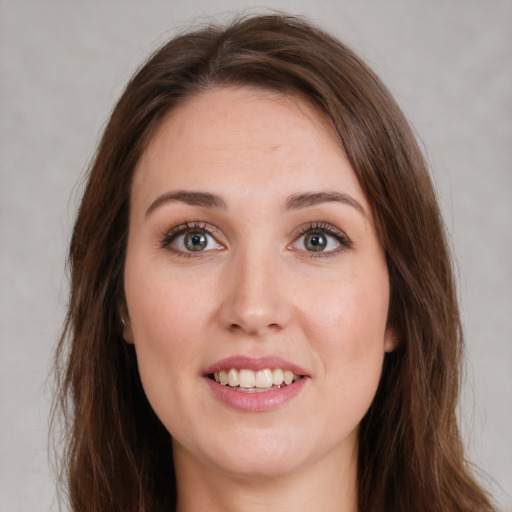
[349, 317]
[346, 326]
[165, 309]
[167, 319]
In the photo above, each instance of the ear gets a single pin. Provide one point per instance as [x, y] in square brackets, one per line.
[391, 339]
[127, 331]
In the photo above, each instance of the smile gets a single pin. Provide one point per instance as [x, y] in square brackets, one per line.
[255, 384]
[249, 381]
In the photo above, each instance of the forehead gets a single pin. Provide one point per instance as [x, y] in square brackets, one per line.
[245, 139]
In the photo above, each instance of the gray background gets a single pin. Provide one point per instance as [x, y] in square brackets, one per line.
[62, 66]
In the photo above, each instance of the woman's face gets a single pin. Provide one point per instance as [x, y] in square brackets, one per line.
[252, 258]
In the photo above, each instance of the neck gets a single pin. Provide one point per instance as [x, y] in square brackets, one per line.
[328, 485]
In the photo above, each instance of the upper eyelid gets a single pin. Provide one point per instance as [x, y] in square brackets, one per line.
[319, 226]
[169, 235]
[187, 226]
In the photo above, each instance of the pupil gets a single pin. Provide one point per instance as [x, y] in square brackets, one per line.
[315, 242]
[195, 241]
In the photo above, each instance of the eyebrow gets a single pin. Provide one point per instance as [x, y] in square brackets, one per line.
[305, 200]
[204, 199]
[294, 202]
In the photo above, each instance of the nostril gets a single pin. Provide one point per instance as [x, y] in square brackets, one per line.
[257, 330]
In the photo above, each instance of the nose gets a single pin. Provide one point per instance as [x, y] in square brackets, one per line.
[255, 300]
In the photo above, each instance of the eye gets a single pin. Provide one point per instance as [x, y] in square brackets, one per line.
[316, 241]
[186, 239]
[320, 238]
[195, 241]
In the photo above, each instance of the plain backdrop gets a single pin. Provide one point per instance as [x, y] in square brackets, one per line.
[62, 66]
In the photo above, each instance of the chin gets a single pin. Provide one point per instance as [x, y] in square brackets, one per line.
[260, 467]
[256, 455]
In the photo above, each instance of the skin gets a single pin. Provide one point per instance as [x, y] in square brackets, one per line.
[256, 290]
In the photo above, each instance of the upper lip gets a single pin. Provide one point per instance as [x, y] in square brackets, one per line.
[254, 364]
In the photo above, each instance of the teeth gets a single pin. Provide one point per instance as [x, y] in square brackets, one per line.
[277, 377]
[264, 379]
[233, 378]
[247, 380]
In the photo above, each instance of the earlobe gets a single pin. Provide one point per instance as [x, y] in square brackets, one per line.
[391, 340]
[127, 328]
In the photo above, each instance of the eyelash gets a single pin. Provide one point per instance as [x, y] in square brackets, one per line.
[326, 229]
[168, 237]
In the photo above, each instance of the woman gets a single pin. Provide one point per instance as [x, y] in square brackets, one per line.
[262, 306]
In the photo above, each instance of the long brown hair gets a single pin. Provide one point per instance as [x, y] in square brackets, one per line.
[118, 456]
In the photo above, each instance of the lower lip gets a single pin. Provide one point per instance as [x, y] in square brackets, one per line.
[258, 401]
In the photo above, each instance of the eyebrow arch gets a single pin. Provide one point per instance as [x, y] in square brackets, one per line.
[204, 199]
[305, 200]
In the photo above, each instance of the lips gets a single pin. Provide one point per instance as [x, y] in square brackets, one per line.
[254, 364]
[255, 384]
